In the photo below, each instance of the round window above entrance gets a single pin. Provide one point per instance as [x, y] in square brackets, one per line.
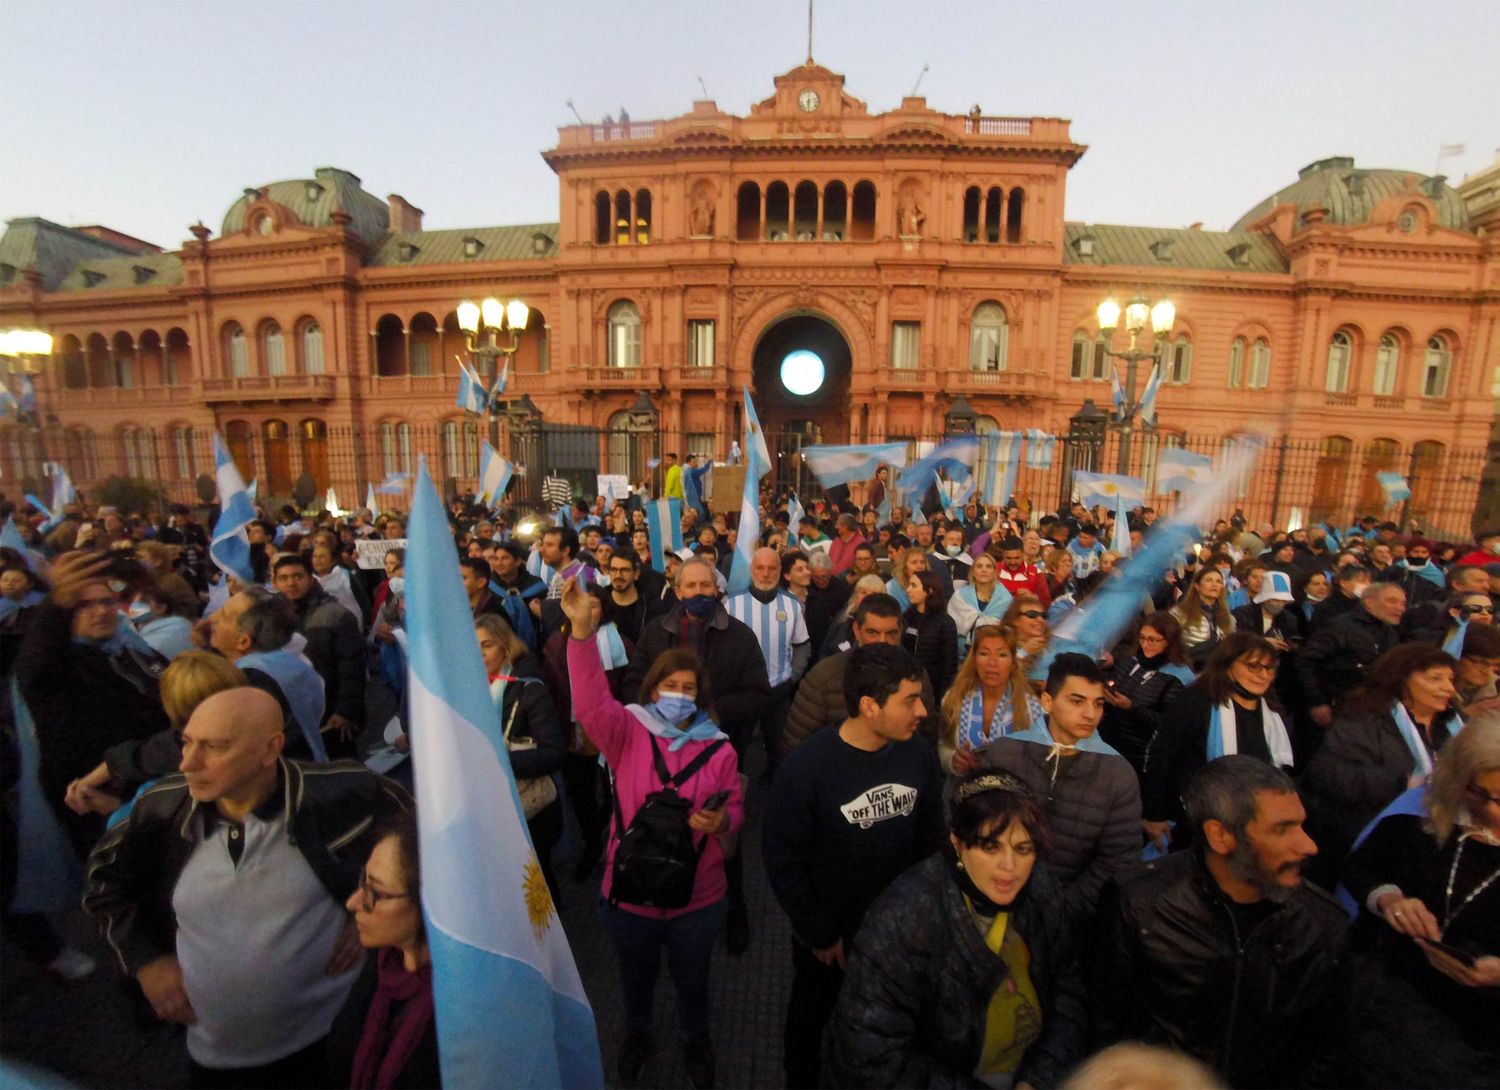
[802, 372]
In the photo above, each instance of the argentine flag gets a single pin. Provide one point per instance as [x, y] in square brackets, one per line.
[472, 395]
[1178, 469]
[834, 466]
[1106, 488]
[229, 546]
[1394, 486]
[1116, 394]
[1003, 453]
[1039, 448]
[510, 1008]
[502, 380]
[794, 516]
[1147, 408]
[956, 455]
[370, 502]
[394, 484]
[1121, 543]
[757, 465]
[664, 525]
[494, 475]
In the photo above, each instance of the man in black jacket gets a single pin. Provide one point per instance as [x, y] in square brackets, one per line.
[1335, 657]
[1223, 952]
[1347, 583]
[222, 893]
[334, 647]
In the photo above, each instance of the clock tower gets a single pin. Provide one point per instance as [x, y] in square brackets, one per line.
[810, 93]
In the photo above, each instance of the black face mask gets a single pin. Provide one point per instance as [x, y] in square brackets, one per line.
[1241, 691]
[699, 607]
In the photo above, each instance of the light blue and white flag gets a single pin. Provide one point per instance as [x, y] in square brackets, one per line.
[502, 380]
[1106, 488]
[834, 466]
[1116, 394]
[495, 473]
[1454, 644]
[253, 490]
[956, 493]
[370, 502]
[393, 485]
[955, 456]
[757, 465]
[1395, 487]
[510, 1008]
[664, 526]
[472, 396]
[331, 503]
[63, 492]
[1003, 460]
[1039, 448]
[229, 545]
[794, 516]
[1178, 469]
[1120, 545]
[1147, 408]
[27, 399]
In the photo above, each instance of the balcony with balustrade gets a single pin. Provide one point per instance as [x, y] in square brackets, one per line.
[251, 388]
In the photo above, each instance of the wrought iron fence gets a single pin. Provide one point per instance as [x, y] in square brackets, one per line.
[1296, 479]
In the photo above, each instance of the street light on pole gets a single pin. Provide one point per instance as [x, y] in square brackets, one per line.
[1138, 314]
[483, 325]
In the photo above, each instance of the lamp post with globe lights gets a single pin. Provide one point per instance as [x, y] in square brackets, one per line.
[1138, 314]
[485, 325]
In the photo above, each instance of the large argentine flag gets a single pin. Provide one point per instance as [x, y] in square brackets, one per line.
[1003, 458]
[471, 396]
[956, 456]
[1177, 469]
[494, 475]
[229, 548]
[1106, 488]
[511, 1010]
[664, 525]
[757, 465]
[834, 466]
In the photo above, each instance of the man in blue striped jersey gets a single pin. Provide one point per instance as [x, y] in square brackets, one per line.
[775, 615]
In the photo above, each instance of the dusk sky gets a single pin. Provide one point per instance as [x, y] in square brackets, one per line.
[150, 115]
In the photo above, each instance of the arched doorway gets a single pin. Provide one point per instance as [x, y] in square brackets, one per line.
[801, 369]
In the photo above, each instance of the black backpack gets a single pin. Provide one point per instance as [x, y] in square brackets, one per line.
[656, 861]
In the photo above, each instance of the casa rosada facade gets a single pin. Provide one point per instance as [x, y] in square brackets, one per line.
[925, 257]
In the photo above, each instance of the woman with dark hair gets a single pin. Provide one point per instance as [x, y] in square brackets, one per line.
[385, 1038]
[1230, 708]
[1382, 741]
[1309, 590]
[1425, 1015]
[1204, 615]
[1143, 686]
[928, 632]
[964, 971]
[667, 755]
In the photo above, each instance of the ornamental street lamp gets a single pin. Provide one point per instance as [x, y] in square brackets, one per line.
[483, 325]
[1139, 313]
[23, 351]
[960, 419]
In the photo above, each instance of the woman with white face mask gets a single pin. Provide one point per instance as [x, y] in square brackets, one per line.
[676, 783]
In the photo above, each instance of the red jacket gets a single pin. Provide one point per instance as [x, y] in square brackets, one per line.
[1029, 579]
[841, 552]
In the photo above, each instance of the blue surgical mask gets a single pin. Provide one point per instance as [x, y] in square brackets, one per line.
[674, 707]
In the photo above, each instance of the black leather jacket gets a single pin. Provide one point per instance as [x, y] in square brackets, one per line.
[1254, 996]
[331, 810]
[1334, 659]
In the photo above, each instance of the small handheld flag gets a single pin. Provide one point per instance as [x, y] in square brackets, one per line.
[1395, 487]
[1116, 394]
[472, 396]
[370, 503]
[664, 527]
[394, 484]
[229, 546]
[1148, 397]
[1039, 448]
[757, 464]
[1121, 543]
[495, 473]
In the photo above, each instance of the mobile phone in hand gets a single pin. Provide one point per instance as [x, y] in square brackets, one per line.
[716, 801]
[1457, 953]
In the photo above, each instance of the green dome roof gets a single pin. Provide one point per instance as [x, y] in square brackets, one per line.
[1350, 194]
[313, 201]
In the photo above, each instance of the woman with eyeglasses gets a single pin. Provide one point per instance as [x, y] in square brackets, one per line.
[1478, 666]
[1204, 615]
[1428, 873]
[1382, 742]
[385, 1038]
[1025, 622]
[1143, 686]
[1230, 708]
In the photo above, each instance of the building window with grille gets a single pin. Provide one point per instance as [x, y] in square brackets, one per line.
[421, 358]
[989, 338]
[312, 348]
[1340, 356]
[700, 443]
[1237, 363]
[624, 335]
[182, 447]
[275, 351]
[395, 448]
[906, 345]
[1179, 361]
[1260, 364]
[461, 448]
[1078, 369]
[701, 343]
[1387, 360]
[1436, 366]
[239, 352]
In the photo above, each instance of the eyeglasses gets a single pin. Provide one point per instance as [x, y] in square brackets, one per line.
[1031, 614]
[622, 569]
[1480, 796]
[370, 896]
[1152, 639]
[1259, 667]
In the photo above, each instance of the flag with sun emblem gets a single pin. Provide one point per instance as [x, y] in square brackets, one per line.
[511, 1010]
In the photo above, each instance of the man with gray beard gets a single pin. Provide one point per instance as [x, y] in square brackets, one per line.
[1224, 952]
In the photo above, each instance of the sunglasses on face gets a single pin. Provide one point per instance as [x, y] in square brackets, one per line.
[1469, 611]
[1031, 614]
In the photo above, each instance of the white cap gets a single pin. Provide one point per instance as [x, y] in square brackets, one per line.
[1276, 586]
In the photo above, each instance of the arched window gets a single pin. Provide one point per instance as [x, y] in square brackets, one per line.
[1426, 467]
[390, 346]
[747, 212]
[622, 217]
[1387, 362]
[1329, 478]
[1178, 358]
[278, 448]
[395, 447]
[778, 212]
[862, 215]
[1340, 357]
[312, 434]
[619, 439]
[237, 350]
[124, 353]
[1260, 364]
[422, 343]
[643, 215]
[273, 349]
[971, 214]
[1437, 365]
[994, 212]
[177, 358]
[312, 349]
[988, 338]
[805, 212]
[461, 448]
[624, 335]
[1236, 363]
[183, 454]
[101, 365]
[601, 218]
[240, 438]
[1013, 215]
[835, 211]
[75, 370]
[1381, 456]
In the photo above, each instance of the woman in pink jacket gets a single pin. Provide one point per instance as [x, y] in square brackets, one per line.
[668, 756]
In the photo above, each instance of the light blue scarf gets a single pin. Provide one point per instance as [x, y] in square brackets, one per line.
[974, 733]
[1223, 734]
[28, 600]
[48, 876]
[1411, 734]
[1454, 644]
[611, 648]
[301, 685]
[701, 729]
[1428, 571]
[898, 593]
[168, 636]
[1043, 737]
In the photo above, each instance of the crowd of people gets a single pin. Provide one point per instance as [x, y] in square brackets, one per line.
[1257, 833]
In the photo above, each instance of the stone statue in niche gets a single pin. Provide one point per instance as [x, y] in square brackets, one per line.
[910, 215]
[701, 215]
